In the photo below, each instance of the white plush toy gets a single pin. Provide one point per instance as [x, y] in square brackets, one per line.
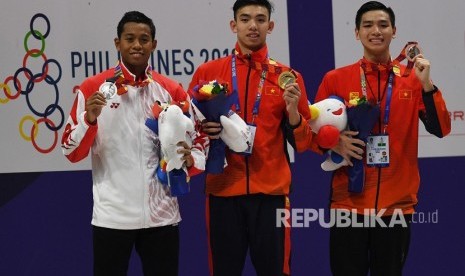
[328, 119]
[173, 127]
[235, 133]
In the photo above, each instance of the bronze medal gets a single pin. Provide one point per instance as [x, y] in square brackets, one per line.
[412, 51]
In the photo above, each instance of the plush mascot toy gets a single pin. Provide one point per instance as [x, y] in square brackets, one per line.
[235, 133]
[328, 119]
[172, 127]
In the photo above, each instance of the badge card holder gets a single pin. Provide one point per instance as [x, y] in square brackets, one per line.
[253, 130]
[377, 150]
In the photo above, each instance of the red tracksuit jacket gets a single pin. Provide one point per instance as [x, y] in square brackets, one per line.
[395, 186]
[267, 169]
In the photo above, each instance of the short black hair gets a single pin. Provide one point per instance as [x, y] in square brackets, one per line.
[137, 17]
[374, 6]
[242, 3]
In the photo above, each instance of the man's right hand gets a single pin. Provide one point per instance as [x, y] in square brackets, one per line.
[349, 147]
[94, 105]
[212, 129]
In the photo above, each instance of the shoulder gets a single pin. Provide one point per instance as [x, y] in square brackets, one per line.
[165, 81]
[213, 69]
[285, 67]
[343, 71]
[173, 87]
[213, 65]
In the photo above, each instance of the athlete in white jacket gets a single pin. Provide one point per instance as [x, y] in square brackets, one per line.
[125, 154]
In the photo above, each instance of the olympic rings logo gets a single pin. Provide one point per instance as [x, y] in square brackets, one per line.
[33, 79]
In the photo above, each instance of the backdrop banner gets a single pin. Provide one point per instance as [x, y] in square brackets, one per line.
[49, 47]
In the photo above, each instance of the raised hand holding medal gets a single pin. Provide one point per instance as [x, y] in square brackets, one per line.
[409, 52]
[287, 82]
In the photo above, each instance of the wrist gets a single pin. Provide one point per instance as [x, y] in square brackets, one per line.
[433, 90]
[295, 120]
[89, 120]
[428, 86]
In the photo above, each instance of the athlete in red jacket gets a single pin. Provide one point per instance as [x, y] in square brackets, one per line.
[242, 201]
[390, 187]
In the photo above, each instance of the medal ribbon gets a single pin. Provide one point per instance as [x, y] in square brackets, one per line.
[121, 82]
[403, 56]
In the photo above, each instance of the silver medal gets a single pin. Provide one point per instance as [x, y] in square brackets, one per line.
[108, 89]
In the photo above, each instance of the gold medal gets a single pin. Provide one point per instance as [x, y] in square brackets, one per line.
[286, 78]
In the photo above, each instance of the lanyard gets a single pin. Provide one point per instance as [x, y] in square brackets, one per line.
[387, 111]
[388, 100]
[258, 98]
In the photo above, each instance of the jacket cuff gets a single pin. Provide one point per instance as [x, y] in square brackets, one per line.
[289, 126]
[432, 91]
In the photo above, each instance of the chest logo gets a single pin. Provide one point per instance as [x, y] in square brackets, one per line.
[405, 95]
[271, 91]
[114, 105]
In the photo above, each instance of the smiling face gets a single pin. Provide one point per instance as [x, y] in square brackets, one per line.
[135, 46]
[252, 24]
[375, 33]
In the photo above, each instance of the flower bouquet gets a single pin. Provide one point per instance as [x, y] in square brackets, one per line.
[213, 100]
[362, 116]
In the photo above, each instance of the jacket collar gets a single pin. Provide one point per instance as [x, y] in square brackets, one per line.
[370, 67]
[260, 55]
[130, 76]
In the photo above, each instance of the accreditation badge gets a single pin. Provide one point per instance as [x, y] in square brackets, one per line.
[108, 89]
[252, 130]
[377, 150]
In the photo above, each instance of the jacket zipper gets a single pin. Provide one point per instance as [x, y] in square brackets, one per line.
[378, 185]
[249, 58]
[141, 164]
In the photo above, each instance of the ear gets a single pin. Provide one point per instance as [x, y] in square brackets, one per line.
[270, 27]
[394, 30]
[233, 26]
[154, 44]
[116, 40]
[357, 37]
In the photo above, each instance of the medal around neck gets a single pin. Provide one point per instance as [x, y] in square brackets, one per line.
[108, 89]
[286, 78]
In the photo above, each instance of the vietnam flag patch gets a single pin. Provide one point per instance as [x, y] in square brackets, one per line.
[271, 91]
[405, 95]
